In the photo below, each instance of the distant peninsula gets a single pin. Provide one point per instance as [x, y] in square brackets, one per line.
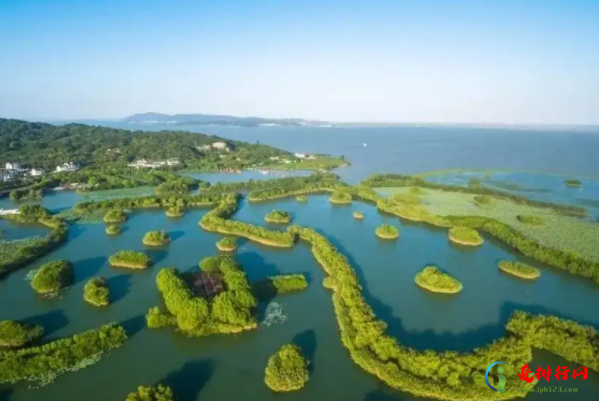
[222, 120]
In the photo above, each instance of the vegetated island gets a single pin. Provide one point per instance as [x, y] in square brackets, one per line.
[115, 216]
[19, 253]
[216, 300]
[340, 197]
[175, 211]
[96, 292]
[358, 215]
[52, 277]
[130, 259]
[43, 364]
[17, 334]
[113, 229]
[574, 183]
[158, 392]
[432, 279]
[156, 238]
[278, 217]
[519, 269]
[281, 284]
[387, 231]
[216, 220]
[287, 369]
[530, 219]
[227, 244]
[301, 198]
[465, 236]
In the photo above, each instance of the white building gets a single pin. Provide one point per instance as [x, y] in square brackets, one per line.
[300, 155]
[13, 166]
[66, 167]
[274, 158]
[5, 176]
[220, 146]
[36, 172]
[173, 162]
[203, 147]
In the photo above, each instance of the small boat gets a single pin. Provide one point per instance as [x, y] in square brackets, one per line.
[365, 144]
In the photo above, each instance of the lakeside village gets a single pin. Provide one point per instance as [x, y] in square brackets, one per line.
[15, 172]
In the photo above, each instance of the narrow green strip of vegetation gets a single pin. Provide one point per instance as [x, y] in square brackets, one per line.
[287, 369]
[358, 215]
[278, 216]
[43, 364]
[571, 182]
[148, 202]
[432, 279]
[530, 219]
[465, 236]
[387, 231]
[216, 220]
[227, 244]
[572, 341]
[115, 216]
[158, 392]
[403, 368]
[17, 334]
[156, 238]
[521, 270]
[130, 259]
[96, 292]
[53, 276]
[113, 229]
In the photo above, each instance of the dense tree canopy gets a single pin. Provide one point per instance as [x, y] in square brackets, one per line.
[434, 280]
[229, 311]
[152, 393]
[130, 259]
[287, 369]
[96, 292]
[278, 216]
[17, 334]
[53, 276]
[156, 238]
[45, 145]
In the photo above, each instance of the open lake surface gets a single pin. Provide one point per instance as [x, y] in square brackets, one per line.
[231, 367]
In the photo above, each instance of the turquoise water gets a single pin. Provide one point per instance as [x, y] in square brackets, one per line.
[232, 367]
[205, 368]
[411, 150]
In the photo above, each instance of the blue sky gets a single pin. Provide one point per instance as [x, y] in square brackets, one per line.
[507, 61]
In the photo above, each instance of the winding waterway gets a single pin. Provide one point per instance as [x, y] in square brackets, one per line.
[231, 367]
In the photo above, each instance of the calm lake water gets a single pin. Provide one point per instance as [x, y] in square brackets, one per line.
[230, 368]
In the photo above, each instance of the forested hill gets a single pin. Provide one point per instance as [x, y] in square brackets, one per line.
[46, 145]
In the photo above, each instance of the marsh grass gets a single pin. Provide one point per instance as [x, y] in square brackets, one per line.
[565, 233]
